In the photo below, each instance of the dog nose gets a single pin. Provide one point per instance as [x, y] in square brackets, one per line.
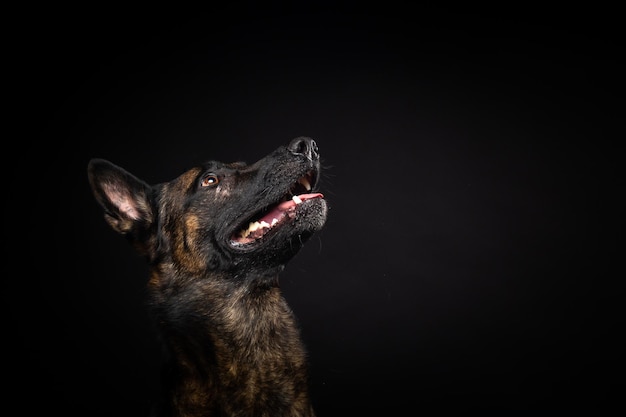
[304, 146]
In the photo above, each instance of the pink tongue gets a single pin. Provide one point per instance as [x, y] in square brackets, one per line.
[277, 212]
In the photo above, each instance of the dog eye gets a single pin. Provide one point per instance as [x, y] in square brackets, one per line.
[210, 180]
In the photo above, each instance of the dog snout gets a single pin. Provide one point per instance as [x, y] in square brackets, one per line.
[304, 146]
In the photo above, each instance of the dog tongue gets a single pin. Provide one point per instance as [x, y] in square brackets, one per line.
[277, 212]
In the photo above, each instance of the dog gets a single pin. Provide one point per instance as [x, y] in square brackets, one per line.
[216, 239]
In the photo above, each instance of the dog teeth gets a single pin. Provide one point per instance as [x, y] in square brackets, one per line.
[254, 226]
[305, 183]
[296, 199]
[251, 228]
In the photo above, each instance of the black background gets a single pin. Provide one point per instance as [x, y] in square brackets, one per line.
[468, 164]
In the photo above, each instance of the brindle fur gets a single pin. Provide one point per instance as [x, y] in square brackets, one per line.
[232, 346]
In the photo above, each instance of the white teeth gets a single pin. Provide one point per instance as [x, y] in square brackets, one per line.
[296, 199]
[256, 226]
[305, 183]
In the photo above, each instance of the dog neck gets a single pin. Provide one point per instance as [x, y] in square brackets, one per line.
[245, 350]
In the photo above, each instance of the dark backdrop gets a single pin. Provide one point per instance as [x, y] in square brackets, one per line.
[468, 167]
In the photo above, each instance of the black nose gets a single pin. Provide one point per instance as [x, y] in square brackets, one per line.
[304, 146]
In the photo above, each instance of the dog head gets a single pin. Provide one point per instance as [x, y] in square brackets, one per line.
[229, 217]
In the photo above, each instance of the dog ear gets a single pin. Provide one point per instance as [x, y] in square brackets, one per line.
[126, 199]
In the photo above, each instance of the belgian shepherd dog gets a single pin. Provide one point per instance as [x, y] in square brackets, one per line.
[216, 239]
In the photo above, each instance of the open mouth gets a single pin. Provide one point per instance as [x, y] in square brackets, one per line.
[278, 214]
